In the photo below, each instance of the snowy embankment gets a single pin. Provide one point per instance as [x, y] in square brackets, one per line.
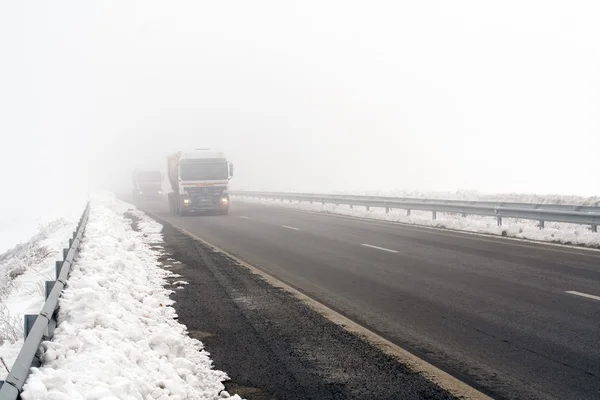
[117, 337]
[23, 272]
[472, 195]
[518, 228]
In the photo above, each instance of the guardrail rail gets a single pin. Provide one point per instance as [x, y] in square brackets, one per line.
[573, 214]
[41, 327]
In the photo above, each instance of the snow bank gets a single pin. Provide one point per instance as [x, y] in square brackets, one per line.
[23, 272]
[472, 195]
[518, 228]
[117, 337]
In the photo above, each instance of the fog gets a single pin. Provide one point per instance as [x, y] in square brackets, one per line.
[301, 95]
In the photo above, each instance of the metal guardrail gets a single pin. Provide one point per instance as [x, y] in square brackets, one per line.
[41, 327]
[574, 214]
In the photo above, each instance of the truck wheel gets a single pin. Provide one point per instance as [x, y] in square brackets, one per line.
[224, 212]
[182, 213]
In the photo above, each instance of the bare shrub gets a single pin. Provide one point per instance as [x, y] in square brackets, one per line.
[11, 326]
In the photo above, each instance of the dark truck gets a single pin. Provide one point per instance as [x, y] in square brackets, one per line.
[147, 185]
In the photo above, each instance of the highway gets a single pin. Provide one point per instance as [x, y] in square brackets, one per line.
[495, 313]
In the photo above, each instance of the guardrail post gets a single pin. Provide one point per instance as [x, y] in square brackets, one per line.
[542, 224]
[408, 212]
[387, 210]
[594, 228]
[29, 321]
[51, 327]
[49, 287]
[499, 221]
[58, 267]
[434, 215]
[368, 208]
[351, 206]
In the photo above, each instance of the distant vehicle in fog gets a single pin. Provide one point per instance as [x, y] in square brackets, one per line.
[147, 184]
[200, 181]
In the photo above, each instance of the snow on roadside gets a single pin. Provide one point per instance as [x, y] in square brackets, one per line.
[117, 337]
[473, 195]
[517, 228]
[23, 272]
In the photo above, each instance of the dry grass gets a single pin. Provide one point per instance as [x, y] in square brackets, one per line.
[14, 263]
[11, 326]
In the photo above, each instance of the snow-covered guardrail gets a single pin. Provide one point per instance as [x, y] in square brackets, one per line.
[41, 327]
[573, 214]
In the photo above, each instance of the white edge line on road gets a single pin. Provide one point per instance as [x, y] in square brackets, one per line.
[243, 216]
[379, 248]
[589, 296]
[290, 227]
[418, 365]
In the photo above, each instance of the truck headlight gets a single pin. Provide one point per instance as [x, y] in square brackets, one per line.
[224, 200]
[187, 201]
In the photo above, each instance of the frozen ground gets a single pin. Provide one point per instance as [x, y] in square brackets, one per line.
[117, 336]
[525, 229]
[23, 272]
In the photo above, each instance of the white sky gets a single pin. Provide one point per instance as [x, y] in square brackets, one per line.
[302, 95]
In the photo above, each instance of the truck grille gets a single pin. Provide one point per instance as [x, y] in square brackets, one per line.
[206, 197]
[206, 191]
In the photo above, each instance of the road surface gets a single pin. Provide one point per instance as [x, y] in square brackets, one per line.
[513, 319]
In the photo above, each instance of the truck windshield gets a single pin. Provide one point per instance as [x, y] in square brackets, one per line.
[202, 171]
[150, 176]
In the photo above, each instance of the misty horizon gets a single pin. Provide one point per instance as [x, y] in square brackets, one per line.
[301, 96]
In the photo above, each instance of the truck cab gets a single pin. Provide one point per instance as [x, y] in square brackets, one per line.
[200, 182]
[147, 184]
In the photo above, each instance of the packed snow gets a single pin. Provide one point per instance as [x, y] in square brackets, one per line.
[517, 228]
[23, 272]
[117, 336]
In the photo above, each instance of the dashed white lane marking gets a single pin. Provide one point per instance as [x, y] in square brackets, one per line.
[589, 296]
[378, 248]
[291, 227]
[243, 216]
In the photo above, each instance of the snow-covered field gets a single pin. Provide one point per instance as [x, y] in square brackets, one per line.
[117, 337]
[23, 272]
[517, 228]
[20, 219]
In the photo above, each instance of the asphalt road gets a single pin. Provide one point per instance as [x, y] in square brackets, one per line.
[272, 345]
[493, 312]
